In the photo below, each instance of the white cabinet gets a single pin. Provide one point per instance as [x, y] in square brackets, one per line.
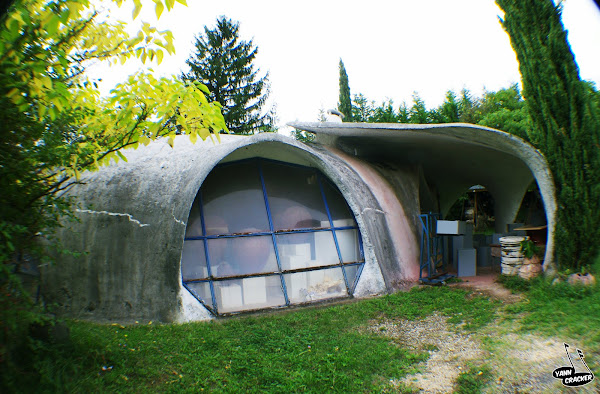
[451, 227]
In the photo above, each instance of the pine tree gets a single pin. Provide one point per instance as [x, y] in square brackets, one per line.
[345, 103]
[224, 63]
[385, 113]
[468, 108]
[418, 111]
[403, 114]
[565, 123]
[447, 112]
[362, 109]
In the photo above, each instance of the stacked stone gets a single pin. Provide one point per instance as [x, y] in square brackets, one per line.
[530, 268]
[512, 258]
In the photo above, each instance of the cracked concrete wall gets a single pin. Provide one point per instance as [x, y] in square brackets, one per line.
[133, 214]
[132, 219]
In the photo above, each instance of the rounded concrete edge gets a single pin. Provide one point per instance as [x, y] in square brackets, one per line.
[327, 133]
[371, 281]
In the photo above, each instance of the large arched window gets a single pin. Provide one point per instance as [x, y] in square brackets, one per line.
[266, 234]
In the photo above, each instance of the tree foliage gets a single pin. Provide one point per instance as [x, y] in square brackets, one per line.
[418, 112]
[362, 109]
[224, 63]
[565, 118]
[503, 110]
[345, 103]
[54, 124]
[448, 112]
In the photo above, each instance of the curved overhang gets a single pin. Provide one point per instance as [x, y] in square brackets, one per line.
[453, 157]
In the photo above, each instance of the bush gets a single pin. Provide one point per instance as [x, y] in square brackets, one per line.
[515, 284]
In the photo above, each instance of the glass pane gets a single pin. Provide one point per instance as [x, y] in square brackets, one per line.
[194, 222]
[338, 208]
[242, 256]
[349, 247]
[315, 285]
[193, 260]
[234, 201]
[202, 291]
[294, 196]
[303, 250]
[250, 293]
[351, 272]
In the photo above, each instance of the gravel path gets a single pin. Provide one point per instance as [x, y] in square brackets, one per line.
[519, 362]
[449, 350]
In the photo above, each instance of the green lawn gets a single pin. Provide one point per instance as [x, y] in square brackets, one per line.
[314, 349]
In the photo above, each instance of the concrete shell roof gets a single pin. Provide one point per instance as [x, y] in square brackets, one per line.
[133, 214]
[454, 157]
[133, 217]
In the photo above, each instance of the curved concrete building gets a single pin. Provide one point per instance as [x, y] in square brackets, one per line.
[449, 158]
[207, 229]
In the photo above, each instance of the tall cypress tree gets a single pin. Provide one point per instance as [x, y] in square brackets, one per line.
[566, 123]
[224, 63]
[345, 103]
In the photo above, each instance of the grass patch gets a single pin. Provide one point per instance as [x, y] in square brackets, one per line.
[305, 350]
[515, 284]
[430, 347]
[472, 381]
[570, 311]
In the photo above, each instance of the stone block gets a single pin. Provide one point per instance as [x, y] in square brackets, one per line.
[467, 262]
[484, 256]
[460, 242]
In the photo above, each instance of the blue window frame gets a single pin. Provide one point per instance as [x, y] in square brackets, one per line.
[267, 234]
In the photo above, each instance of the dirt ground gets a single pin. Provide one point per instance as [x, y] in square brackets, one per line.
[520, 363]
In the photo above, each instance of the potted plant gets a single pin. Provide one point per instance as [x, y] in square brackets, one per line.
[531, 263]
[529, 249]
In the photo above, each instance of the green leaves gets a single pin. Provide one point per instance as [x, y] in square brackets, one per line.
[55, 123]
[564, 123]
[159, 56]
[137, 8]
[159, 8]
[138, 112]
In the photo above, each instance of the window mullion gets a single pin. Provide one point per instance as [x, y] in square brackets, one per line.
[273, 236]
[337, 247]
[207, 255]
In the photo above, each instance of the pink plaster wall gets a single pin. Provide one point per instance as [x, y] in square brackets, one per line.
[405, 241]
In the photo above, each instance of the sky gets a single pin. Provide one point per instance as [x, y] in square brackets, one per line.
[391, 49]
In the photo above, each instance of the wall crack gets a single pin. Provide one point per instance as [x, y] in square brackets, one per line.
[372, 209]
[128, 216]
[177, 220]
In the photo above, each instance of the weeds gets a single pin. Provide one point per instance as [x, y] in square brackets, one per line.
[472, 381]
